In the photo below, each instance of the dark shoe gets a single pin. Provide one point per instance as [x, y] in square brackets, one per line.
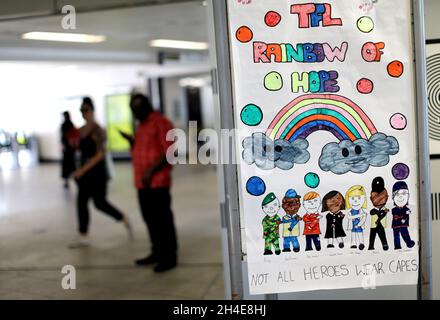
[277, 252]
[318, 248]
[385, 247]
[146, 261]
[397, 248]
[286, 250]
[341, 245]
[330, 246]
[267, 252]
[353, 247]
[370, 248]
[361, 246]
[411, 244]
[295, 249]
[162, 267]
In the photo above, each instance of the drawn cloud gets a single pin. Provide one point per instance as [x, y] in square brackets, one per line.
[359, 155]
[268, 154]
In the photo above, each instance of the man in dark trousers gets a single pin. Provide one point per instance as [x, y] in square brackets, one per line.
[152, 176]
[379, 198]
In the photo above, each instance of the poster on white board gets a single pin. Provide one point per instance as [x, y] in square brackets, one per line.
[324, 104]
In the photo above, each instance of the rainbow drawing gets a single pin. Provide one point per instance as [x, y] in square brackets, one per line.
[310, 113]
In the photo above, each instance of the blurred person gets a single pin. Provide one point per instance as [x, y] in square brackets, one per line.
[92, 175]
[69, 141]
[152, 176]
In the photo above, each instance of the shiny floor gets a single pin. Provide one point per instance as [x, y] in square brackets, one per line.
[38, 220]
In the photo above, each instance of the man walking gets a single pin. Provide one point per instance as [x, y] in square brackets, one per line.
[152, 176]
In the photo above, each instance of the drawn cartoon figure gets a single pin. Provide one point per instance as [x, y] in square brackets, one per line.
[401, 214]
[312, 203]
[379, 198]
[271, 224]
[333, 202]
[356, 202]
[291, 204]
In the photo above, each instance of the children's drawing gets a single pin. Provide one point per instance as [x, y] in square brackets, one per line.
[255, 186]
[312, 204]
[359, 155]
[379, 198]
[365, 24]
[291, 204]
[271, 224]
[365, 86]
[251, 115]
[244, 34]
[400, 171]
[398, 121]
[360, 144]
[333, 203]
[312, 180]
[395, 69]
[401, 214]
[268, 154]
[356, 203]
[272, 19]
[310, 113]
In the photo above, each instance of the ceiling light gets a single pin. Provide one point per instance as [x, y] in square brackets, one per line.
[64, 37]
[176, 44]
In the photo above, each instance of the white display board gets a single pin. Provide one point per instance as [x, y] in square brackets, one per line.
[324, 98]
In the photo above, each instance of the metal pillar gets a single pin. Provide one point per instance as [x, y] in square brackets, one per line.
[424, 291]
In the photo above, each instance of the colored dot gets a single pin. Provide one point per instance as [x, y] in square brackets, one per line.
[251, 115]
[273, 81]
[398, 121]
[272, 19]
[365, 24]
[365, 86]
[255, 186]
[395, 69]
[400, 171]
[244, 34]
[312, 180]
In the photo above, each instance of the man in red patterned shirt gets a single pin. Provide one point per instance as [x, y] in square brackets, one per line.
[152, 175]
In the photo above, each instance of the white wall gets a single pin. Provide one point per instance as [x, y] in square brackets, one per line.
[432, 22]
[33, 93]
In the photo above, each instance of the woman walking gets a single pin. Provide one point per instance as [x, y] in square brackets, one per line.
[69, 135]
[92, 176]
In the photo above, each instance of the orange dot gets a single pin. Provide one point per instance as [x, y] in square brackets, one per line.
[244, 34]
[395, 69]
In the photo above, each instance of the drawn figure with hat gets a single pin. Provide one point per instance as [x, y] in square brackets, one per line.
[401, 214]
[312, 203]
[379, 198]
[333, 203]
[291, 204]
[271, 224]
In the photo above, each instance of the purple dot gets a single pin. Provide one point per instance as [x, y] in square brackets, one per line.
[400, 171]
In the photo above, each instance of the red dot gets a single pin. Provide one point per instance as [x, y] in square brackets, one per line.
[365, 86]
[272, 18]
[244, 34]
[395, 69]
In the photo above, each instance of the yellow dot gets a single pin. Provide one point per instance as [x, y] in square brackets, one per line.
[365, 24]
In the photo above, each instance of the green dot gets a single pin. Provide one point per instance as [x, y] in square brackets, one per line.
[251, 115]
[365, 24]
[273, 81]
[312, 180]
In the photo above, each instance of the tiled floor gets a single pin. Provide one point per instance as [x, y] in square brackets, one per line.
[37, 221]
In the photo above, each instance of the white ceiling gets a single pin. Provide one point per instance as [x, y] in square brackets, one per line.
[128, 32]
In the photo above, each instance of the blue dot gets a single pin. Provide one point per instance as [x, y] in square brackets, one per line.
[255, 186]
[312, 180]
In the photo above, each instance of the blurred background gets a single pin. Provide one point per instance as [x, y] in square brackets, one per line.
[159, 48]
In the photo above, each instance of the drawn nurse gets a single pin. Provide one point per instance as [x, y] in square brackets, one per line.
[356, 203]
